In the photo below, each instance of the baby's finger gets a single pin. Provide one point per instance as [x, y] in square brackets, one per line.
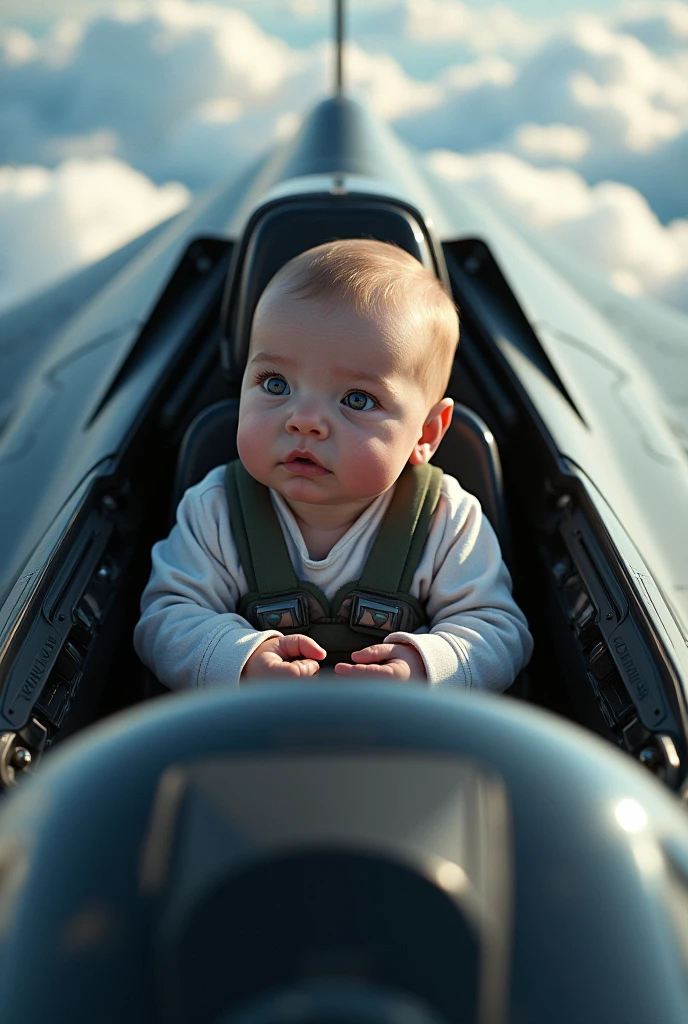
[299, 646]
[344, 669]
[376, 653]
[299, 668]
[309, 648]
[303, 667]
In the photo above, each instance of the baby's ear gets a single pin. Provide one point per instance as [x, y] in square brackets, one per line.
[435, 427]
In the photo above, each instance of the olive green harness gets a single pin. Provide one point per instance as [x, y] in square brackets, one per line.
[362, 612]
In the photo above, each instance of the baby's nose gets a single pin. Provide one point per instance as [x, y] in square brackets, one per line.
[307, 426]
[307, 419]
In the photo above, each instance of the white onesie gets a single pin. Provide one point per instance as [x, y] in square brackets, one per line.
[190, 636]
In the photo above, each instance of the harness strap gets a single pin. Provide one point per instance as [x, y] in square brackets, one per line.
[258, 536]
[398, 547]
[394, 556]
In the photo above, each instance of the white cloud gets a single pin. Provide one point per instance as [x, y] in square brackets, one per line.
[487, 71]
[16, 47]
[139, 72]
[609, 225]
[305, 9]
[54, 221]
[442, 21]
[588, 77]
[551, 142]
[662, 26]
[382, 83]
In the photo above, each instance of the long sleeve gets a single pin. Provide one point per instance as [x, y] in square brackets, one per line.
[477, 636]
[189, 634]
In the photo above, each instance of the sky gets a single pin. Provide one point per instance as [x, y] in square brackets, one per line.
[113, 114]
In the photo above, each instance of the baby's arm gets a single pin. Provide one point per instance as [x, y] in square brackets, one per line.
[478, 637]
[189, 634]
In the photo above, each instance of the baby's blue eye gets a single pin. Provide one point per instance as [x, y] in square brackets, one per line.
[358, 400]
[275, 386]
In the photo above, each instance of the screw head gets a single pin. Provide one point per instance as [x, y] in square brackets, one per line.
[21, 758]
[648, 757]
[564, 502]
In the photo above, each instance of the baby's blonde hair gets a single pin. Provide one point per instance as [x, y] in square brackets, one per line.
[378, 277]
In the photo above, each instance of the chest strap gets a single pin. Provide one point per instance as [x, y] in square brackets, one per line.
[376, 604]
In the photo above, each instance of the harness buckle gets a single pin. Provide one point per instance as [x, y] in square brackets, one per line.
[370, 614]
[285, 613]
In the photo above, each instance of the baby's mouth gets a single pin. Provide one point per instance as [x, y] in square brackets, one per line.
[304, 464]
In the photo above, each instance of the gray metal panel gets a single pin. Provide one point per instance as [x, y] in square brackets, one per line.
[28, 329]
[656, 334]
[624, 445]
[621, 439]
[61, 431]
[49, 449]
[662, 615]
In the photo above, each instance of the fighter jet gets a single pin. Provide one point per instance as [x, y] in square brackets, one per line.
[119, 388]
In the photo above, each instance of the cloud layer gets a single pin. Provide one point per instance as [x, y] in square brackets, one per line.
[54, 221]
[580, 124]
[609, 225]
[150, 82]
[627, 105]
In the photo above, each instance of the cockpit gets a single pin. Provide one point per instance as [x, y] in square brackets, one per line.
[146, 406]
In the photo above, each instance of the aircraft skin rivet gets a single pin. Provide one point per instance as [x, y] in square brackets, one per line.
[21, 758]
[648, 757]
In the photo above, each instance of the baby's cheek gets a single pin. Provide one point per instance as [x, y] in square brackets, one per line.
[372, 468]
[253, 443]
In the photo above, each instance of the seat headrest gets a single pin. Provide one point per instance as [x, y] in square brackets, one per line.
[282, 230]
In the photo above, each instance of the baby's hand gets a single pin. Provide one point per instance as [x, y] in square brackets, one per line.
[385, 661]
[285, 656]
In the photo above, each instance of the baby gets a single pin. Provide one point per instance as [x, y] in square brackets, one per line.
[351, 349]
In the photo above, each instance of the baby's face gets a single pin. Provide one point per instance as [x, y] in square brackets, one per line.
[330, 412]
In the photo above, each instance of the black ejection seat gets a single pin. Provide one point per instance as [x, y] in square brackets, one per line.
[274, 235]
[283, 229]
